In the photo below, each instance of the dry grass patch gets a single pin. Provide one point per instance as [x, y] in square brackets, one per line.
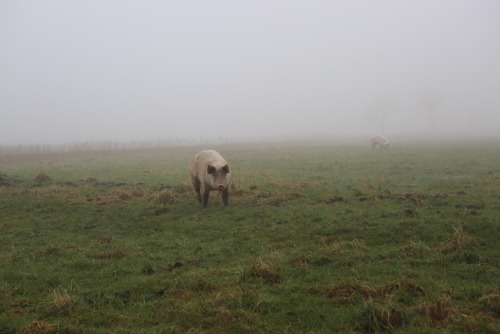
[119, 195]
[89, 180]
[113, 254]
[415, 199]
[350, 245]
[381, 317]
[163, 198]
[266, 271]
[38, 327]
[352, 291]
[339, 243]
[61, 303]
[107, 239]
[330, 248]
[233, 297]
[437, 311]
[50, 250]
[76, 197]
[490, 304]
[183, 189]
[287, 185]
[44, 192]
[301, 185]
[128, 193]
[414, 248]
[276, 198]
[459, 240]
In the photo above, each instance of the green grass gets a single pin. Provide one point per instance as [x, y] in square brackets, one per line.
[318, 239]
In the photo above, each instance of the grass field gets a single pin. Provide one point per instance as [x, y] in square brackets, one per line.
[316, 239]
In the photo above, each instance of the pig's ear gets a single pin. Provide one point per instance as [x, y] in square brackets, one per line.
[225, 169]
[210, 169]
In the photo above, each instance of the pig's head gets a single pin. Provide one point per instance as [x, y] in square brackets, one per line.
[220, 176]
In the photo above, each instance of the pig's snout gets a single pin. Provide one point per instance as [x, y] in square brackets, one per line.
[220, 187]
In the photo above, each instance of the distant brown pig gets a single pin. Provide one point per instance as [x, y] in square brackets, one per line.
[382, 141]
[209, 171]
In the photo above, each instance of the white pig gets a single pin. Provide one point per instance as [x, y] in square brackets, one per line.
[380, 140]
[209, 171]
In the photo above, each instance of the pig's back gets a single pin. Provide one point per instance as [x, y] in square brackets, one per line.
[202, 159]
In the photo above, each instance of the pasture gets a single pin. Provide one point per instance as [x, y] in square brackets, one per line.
[316, 239]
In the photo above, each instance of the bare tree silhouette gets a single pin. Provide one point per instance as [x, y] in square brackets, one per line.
[429, 102]
[381, 111]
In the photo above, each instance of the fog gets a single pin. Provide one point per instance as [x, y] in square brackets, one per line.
[74, 71]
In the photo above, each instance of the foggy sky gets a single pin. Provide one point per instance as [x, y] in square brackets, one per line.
[139, 70]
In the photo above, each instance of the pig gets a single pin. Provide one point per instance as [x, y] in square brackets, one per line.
[209, 171]
[380, 140]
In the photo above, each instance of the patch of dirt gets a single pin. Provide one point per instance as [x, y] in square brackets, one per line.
[471, 209]
[4, 180]
[282, 222]
[277, 199]
[19, 306]
[410, 213]
[335, 199]
[414, 198]
[42, 178]
[160, 211]
[113, 254]
[176, 265]
[272, 199]
[89, 180]
[237, 192]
